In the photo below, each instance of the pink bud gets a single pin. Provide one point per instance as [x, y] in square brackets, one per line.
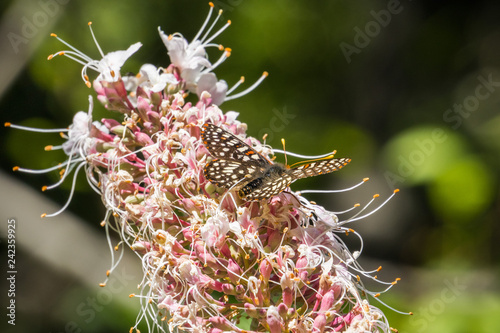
[327, 301]
[273, 320]
[251, 310]
[319, 323]
[234, 271]
[220, 322]
[283, 310]
[266, 269]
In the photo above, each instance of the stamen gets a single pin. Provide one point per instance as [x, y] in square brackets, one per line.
[347, 210]
[222, 58]
[212, 26]
[70, 46]
[95, 40]
[204, 23]
[40, 171]
[244, 92]
[64, 174]
[34, 129]
[236, 85]
[218, 32]
[304, 156]
[373, 211]
[70, 194]
[334, 191]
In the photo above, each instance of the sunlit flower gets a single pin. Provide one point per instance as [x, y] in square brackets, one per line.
[108, 66]
[155, 81]
[190, 59]
[211, 259]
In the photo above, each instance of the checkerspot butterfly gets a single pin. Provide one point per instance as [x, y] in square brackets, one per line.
[239, 165]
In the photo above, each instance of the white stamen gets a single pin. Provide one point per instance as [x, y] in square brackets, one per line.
[40, 171]
[204, 24]
[356, 217]
[213, 24]
[221, 30]
[334, 191]
[95, 40]
[300, 155]
[252, 87]
[70, 194]
[236, 85]
[39, 130]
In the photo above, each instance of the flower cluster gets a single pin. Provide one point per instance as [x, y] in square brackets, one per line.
[212, 262]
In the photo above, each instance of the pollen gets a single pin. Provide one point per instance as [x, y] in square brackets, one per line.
[7, 124]
[48, 148]
[44, 188]
[102, 284]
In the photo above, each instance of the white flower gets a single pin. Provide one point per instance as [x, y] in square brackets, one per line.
[108, 66]
[184, 55]
[214, 230]
[154, 80]
[191, 58]
[78, 136]
[217, 89]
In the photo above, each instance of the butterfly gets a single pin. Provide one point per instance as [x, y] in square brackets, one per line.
[239, 165]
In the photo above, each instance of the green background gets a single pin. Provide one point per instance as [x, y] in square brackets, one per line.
[385, 93]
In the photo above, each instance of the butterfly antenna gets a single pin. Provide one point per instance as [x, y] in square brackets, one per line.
[329, 157]
[284, 150]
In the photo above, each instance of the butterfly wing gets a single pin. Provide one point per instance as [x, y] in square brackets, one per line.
[318, 168]
[224, 145]
[226, 173]
[265, 187]
[235, 159]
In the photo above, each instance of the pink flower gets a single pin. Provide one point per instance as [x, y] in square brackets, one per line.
[209, 257]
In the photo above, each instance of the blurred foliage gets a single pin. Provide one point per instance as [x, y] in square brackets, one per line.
[380, 105]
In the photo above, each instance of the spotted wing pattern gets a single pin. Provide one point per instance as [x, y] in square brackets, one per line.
[227, 146]
[237, 163]
[227, 173]
[274, 181]
[235, 159]
[318, 168]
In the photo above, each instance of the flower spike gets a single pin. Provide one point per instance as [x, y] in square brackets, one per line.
[217, 225]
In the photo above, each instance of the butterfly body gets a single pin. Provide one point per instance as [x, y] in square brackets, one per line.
[276, 174]
[238, 165]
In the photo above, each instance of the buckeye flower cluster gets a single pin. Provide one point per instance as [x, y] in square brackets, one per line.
[212, 262]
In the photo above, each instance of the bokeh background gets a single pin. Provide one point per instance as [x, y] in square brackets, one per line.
[410, 90]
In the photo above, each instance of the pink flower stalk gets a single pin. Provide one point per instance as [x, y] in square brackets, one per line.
[212, 261]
